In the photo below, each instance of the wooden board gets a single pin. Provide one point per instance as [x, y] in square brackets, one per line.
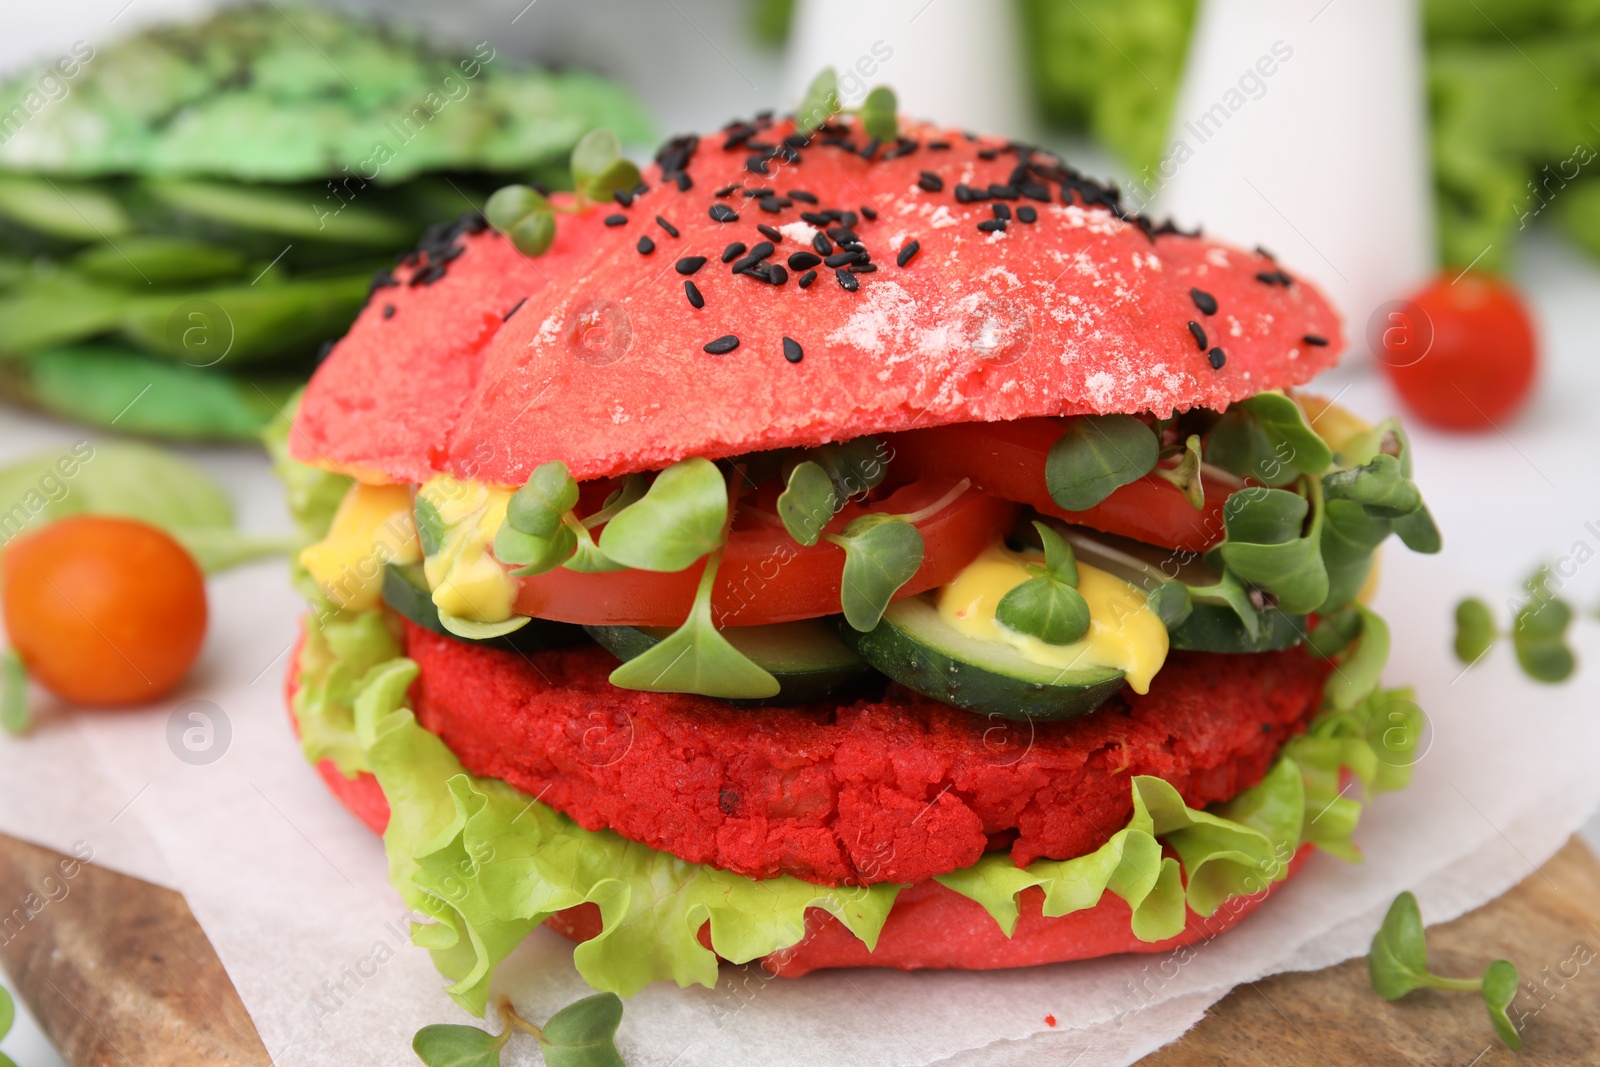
[118, 972]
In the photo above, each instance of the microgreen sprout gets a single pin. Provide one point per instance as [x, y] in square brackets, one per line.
[524, 215]
[879, 111]
[527, 217]
[882, 553]
[598, 169]
[1048, 605]
[1186, 475]
[1398, 964]
[14, 716]
[583, 1034]
[1538, 632]
[880, 114]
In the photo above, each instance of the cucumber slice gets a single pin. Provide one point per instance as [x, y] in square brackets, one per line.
[917, 648]
[406, 591]
[1208, 627]
[807, 657]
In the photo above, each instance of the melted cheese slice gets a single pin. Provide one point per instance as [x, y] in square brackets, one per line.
[372, 526]
[466, 580]
[1124, 633]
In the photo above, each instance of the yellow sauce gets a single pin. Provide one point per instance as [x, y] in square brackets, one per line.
[372, 526]
[1123, 632]
[466, 580]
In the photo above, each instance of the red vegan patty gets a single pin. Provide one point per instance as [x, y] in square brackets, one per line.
[893, 790]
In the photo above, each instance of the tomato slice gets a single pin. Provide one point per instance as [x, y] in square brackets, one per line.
[1007, 459]
[766, 576]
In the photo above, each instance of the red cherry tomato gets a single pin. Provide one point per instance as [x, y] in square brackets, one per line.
[1461, 352]
[766, 577]
[103, 611]
[1007, 459]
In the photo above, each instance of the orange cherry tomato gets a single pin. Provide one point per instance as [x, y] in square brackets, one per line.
[1461, 352]
[103, 611]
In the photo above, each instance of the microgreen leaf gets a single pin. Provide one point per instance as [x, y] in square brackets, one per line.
[1186, 475]
[695, 658]
[598, 169]
[1060, 561]
[1500, 982]
[8, 1011]
[881, 554]
[676, 522]
[820, 103]
[14, 716]
[1539, 639]
[1377, 486]
[807, 503]
[1261, 547]
[880, 114]
[1266, 437]
[1229, 591]
[430, 525]
[633, 487]
[1418, 532]
[1043, 607]
[1096, 455]
[1349, 536]
[854, 466]
[1334, 633]
[538, 506]
[1173, 603]
[1398, 960]
[473, 630]
[586, 555]
[583, 1034]
[524, 216]
[449, 1045]
[1475, 630]
[533, 555]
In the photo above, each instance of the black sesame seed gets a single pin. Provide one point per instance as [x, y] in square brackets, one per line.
[929, 182]
[1027, 214]
[623, 197]
[771, 204]
[1313, 339]
[792, 350]
[863, 268]
[991, 225]
[1003, 192]
[870, 149]
[841, 259]
[771, 233]
[726, 190]
[665, 225]
[907, 252]
[819, 219]
[1001, 211]
[939, 146]
[821, 243]
[692, 291]
[645, 246]
[988, 153]
[1217, 357]
[847, 280]
[759, 193]
[803, 261]
[802, 196]
[847, 219]
[685, 183]
[844, 235]
[723, 345]
[690, 264]
[869, 212]
[428, 275]
[733, 251]
[1199, 333]
[388, 310]
[776, 274]
[503, 318]
[1036, 191]
[757, 165]
[807, 278]
[1204, 301]
[762, 250]
[723, 213]
[616, 220]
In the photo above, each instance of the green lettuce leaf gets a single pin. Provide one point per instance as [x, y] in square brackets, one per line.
[487, 864]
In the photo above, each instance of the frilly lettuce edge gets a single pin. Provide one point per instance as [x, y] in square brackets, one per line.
[487, 864]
